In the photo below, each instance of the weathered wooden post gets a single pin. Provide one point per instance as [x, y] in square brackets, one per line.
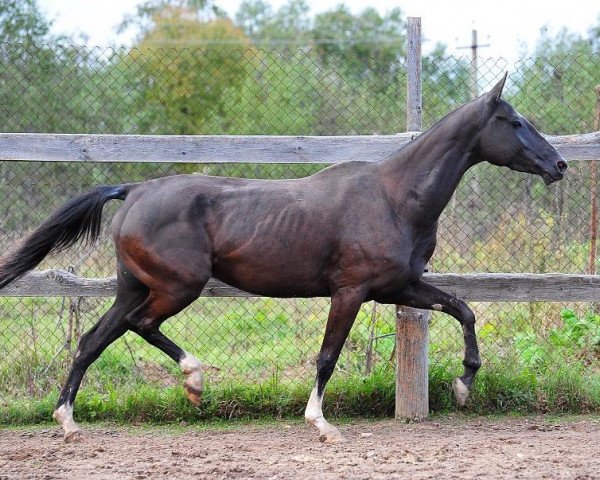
[414, 98]
[412, 376]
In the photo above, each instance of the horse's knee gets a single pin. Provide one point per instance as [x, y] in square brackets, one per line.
[465, 314]
[472, 363]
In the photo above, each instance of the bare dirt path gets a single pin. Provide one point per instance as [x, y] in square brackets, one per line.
[453, 448]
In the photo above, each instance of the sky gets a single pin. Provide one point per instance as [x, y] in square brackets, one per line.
[509, 27]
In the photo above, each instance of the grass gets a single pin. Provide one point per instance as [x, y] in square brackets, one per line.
[496, 391]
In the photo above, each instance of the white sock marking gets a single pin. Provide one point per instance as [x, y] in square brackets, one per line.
[64, 416]
[192, 368]
[314, 411]
[314, 415]
[461, 391]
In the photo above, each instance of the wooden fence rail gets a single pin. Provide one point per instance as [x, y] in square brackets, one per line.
[474, 287]
[50, 147]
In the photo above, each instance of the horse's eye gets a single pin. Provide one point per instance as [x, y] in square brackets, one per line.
[516, 123]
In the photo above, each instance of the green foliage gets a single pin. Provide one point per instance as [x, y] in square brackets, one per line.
[583, 332]
[576, 339]
[273, 346]
[364, 44]
[594, 35]
[184, 80]
[290, 23]
[445, 84]
[499, 389]
[563, 70]
[22, 22]
[194, 71]
[143, 20]
[532, 354]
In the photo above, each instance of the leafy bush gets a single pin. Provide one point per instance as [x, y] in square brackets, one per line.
[578, 338]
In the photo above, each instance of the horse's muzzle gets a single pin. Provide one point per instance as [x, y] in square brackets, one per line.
[556, 173]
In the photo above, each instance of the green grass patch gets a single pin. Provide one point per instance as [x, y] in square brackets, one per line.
[497, 391]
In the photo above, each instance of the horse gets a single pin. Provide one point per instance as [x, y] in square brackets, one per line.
[355, 232]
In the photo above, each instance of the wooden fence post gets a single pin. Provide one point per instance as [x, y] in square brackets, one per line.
[412, 376]
[414, 98]
[412, 366]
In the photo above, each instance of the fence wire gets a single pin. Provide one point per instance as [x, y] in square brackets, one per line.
[497, 221]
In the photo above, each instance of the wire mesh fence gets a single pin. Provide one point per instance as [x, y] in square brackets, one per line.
[497, 221]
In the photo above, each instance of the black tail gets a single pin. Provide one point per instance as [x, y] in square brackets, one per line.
[79, 219]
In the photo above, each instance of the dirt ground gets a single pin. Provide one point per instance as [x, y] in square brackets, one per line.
[453, 448]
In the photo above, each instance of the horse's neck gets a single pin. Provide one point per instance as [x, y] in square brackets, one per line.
[421, 177]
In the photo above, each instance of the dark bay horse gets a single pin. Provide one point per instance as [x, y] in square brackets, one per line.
[356, 231]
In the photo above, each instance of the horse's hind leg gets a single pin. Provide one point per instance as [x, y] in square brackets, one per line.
[109, 328]
[190, 365]
[174, 262]
[344, 308]
[135, 308]
[164, 302]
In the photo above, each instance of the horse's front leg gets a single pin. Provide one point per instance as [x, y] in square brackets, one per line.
[424, 296]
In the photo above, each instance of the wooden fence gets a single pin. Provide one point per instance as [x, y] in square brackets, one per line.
[411, 385]
[412, 395]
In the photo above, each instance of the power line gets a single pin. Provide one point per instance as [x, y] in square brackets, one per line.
[278, 42]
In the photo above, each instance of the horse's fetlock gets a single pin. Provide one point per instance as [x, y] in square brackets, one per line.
[472, 363]
[325, 361]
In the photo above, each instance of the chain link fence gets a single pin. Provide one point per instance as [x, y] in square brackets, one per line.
[498, 220]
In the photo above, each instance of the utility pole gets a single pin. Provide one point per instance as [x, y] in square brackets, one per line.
[474, 65]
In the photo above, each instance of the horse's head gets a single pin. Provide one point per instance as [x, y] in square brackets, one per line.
[509, 140]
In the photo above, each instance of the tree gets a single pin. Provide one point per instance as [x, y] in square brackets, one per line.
[445, 84]
[555, 87]
[185, 65]
[22, 22]
[253, 16]
[594, 35]
[367, 43]
[27, 64]
[143, 20]
[289, 24]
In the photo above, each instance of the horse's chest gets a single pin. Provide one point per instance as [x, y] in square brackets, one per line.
[407, 260]
[410, 269]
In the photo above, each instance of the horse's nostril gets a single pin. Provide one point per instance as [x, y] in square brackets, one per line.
[562, 166]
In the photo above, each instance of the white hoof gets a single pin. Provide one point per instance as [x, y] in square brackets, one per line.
[64, 416]
[192, 369]
[331, 435]
[314, 416]
[75, 436]
[193, 393]
[461, 391]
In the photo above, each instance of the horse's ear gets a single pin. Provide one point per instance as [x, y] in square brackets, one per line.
[496, 92]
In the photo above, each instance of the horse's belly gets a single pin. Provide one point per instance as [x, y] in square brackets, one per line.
[273, 279]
